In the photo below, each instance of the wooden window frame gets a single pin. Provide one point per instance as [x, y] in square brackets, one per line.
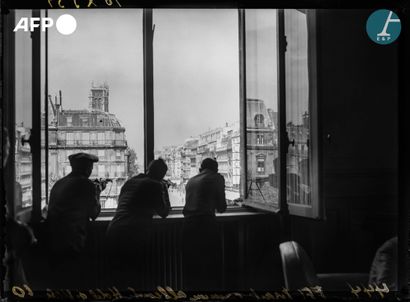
[315, 210]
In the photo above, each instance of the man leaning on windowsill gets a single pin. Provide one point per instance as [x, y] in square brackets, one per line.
[74, 200]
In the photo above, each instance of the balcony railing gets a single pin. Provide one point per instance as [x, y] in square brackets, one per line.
[91, 143]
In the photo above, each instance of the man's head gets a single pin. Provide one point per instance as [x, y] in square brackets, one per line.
[82, 163]
[210, 164]
[157, 169]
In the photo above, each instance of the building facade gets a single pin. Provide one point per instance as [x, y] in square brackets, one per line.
[223, 144]
[262, 152]
[23, 168]
[183, 161]
[95, 131]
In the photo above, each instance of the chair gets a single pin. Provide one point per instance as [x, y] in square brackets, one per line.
[299, 272]
[297, 268]
[20, 238]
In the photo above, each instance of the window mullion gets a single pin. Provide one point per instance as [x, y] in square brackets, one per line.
[282, 137]
[9, 105]
[46, 110]
[148, 63]
[35, 140]
[242, 107]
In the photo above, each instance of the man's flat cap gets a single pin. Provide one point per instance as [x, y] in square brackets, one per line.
[82, 157]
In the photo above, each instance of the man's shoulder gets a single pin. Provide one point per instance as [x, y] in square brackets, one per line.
[196, 178]
[208, 177]
[73, 181]
[214, 175]
[143, 180]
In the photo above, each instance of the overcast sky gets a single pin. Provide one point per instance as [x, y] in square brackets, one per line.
[196, 69]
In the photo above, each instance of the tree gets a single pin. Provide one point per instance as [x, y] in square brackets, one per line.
[132, 163]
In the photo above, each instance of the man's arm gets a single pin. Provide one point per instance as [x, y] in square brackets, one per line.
[93, 197]
[162, 204]
[220, 197]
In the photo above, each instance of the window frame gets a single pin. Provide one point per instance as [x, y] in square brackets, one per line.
[315, 211]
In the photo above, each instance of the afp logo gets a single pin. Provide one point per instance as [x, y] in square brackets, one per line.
[383, 26]
[65, 24]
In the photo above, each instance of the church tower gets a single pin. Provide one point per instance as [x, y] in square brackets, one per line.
[99, 98]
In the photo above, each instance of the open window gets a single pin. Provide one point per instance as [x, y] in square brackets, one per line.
[96, 107]
[196, 95]
[279, 110]
[172, 86]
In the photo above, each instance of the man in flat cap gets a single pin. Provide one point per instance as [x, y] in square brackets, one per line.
[74, 199]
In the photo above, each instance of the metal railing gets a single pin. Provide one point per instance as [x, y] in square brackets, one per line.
[87, 143]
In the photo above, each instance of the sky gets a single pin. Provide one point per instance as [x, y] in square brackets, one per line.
[196, 69]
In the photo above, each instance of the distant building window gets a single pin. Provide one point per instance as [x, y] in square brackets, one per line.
[63, 156]
[78, 137]
[84, 121]
[70, 138]
[85, 138]
[118, 136]
[69, 121]
[101, 154]
[120, 170]
[101, 138]
[260, 166]
[109, 135]
[260, 139]
[259, 120]
[101, 170]
[112, 171]
[93, 138]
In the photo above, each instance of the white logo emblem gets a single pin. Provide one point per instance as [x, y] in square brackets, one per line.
[389, 19]
[66, 24]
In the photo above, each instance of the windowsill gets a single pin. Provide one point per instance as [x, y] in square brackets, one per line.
[231, 212]
[272, 208]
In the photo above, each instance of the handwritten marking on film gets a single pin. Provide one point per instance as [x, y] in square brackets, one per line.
[83, 3]
[167, 293]
[369, 290]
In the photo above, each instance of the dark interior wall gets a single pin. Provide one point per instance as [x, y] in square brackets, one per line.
[250, 255]
[358, 106]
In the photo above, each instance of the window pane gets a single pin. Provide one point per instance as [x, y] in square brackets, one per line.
[261, 106]
[196, 95]
[97, 106]
[23, 94]
[297, 108]
[44, 166]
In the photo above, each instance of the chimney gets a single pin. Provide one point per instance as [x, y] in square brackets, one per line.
[58, 107]
[61, 99]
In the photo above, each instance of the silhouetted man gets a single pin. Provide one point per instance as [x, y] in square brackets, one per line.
[74, 200]
[129, 232]
[202, 249]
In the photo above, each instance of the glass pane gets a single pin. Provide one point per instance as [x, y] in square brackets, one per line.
[297, 108]
[44, 187]
[196, 95]
[261, 106]
[23, 94]
[97, 105]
